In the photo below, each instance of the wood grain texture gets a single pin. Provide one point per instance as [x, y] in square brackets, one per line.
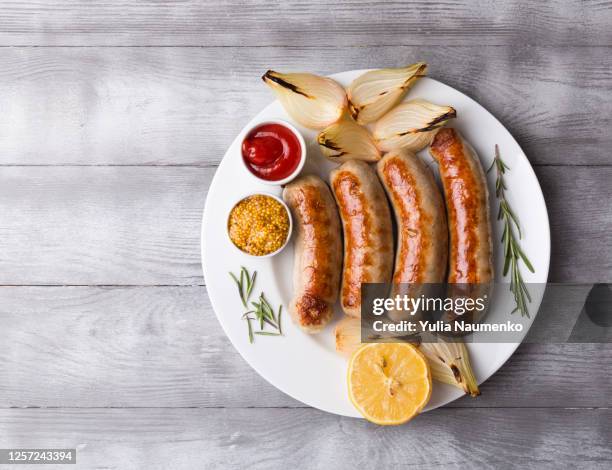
[141, 225]
[566, 191]
[184, 106]
[315, 23]
[163, 347]
[275, 438]
[152, 345]
[101, 225]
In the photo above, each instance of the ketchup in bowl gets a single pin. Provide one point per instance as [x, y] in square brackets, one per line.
[271, 151]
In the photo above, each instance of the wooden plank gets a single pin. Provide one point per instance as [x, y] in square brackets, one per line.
[94, 106]
[289, 438]
[101, 225]
[141, 225]
[578, 241]
[316, 23]
[163, 347]
[121, 347]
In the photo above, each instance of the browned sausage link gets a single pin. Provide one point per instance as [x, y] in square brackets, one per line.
[422, 235]
[317, 258]
[467, 201]
[368, 237]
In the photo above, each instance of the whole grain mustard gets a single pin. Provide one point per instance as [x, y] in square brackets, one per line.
[258, 225]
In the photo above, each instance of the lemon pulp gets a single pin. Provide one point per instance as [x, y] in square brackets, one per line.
[389, 383]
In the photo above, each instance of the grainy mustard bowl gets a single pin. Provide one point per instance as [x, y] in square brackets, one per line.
[259, 225]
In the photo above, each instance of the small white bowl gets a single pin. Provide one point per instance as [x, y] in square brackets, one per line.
[300, 165]
[289, 232]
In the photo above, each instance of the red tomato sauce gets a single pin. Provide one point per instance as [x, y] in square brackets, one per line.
[271, 151]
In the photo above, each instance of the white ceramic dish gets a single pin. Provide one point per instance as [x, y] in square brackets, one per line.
[307, 367]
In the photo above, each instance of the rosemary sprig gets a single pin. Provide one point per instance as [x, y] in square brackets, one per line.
[265, 314]
[512, 251]
[263, 311]
[245, 284]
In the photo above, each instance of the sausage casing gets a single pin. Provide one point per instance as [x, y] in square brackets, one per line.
[366, 224]
[422, 234]
[467, 202]
[317, 252]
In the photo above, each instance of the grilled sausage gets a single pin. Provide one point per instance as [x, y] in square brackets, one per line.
[422, 235]
[467, 202]
[318, 252]
[470, 273]
[366, 224]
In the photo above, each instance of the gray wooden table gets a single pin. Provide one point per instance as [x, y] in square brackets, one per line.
[113, 119]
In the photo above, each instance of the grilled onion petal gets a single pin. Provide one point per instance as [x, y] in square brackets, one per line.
[346, 140]
[450, 364]
[348, 335]
[411, 125]
[313, 101]
[374, 93]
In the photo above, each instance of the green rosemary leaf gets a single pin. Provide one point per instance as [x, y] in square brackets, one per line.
[235, 278]
[526, 292]
[244, 273]
[260, 316]
[272, 324]
[239, 284]
[525, 259]
[506, 265]
[514, 219]
[251, 284]
[267, 309]
[251, 338]
[244, 280]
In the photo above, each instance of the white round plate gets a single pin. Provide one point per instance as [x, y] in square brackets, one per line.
[306, 367]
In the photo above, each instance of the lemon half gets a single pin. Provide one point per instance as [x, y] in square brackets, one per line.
[389, 383]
